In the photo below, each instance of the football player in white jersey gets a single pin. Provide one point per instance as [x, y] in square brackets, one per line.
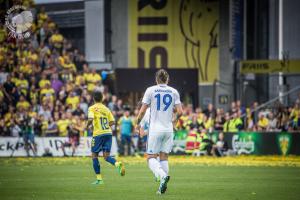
[163, 100]
[144, 124]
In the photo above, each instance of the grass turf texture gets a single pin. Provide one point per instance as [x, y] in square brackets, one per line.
[236, 178]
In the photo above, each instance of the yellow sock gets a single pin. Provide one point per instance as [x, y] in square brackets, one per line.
[99, 177]
[117, 164]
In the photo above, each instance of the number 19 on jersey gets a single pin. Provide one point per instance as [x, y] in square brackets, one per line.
[164, 102]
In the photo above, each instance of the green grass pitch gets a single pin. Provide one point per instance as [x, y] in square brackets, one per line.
[70, 178]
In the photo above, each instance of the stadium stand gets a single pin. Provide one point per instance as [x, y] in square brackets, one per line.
[46, 85]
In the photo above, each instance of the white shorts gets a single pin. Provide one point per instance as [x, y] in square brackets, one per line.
[159, 142]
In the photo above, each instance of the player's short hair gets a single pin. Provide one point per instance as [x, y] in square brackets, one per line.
[162, 76]
[97, 95]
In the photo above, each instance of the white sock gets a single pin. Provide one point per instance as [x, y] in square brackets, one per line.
[156, 168]
[165, 166]
[156, 175]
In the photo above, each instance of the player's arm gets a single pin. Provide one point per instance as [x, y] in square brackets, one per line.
[111, 120]
[90, 119]
[143, 123]
[141, 114]
[145, 103]
[178, 108]
[111, 123]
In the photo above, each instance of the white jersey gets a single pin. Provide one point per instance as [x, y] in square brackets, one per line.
[161, 100]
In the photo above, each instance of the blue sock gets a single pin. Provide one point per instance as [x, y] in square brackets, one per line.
[111, 160]
[96, 165]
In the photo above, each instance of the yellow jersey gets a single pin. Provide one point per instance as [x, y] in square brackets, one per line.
[24, 104]
[33, 56]
[42, 16]
[92, 79]
[79, 79]
[26, 69]
[57, 39]
[295, 114]
[7, 118]
[102, 117]
[47, 92]
[70, 66]
[62, 125]
[23, 84]
[73, 101]
[43, 82]
[263, 123]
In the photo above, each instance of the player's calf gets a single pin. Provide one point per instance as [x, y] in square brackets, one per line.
[110, 160]
[119, 165]
[96, 166]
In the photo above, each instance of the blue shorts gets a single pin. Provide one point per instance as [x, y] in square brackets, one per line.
[28, 138]
[101, 143]
[125, 139]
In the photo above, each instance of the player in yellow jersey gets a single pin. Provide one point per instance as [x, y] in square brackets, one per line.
[101, 119]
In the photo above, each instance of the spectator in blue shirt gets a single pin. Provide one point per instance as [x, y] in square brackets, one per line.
[126, 128]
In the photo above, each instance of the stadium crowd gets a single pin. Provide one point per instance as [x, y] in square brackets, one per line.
[46, 86]
[240, 118]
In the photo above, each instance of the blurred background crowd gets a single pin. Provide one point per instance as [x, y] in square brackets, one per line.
[46, 85]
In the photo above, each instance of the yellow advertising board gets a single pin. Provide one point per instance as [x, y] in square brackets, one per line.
[175, 34]
[269, 66]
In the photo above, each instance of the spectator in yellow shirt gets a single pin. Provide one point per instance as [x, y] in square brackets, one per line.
[69, 65]
[62, 125]
[69, 86]
[32, 55]
[79, 80]
[63, 57]
[9, 116]
[93, 79]
[235, 123]
[226, 125]
[262, 123]
[22, 84]
[44, 81]
[208, 123]
[51, 25]
[80, 124]
[86, 72]
[295, 117]
[73, 100]
[25, 68]
[23, 104]
[42, 14]
[67, 76]
[183, 120]
[57, 40]
[47, 93]
[33, 94]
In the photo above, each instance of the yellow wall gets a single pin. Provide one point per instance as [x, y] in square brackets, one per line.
[191, 31]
